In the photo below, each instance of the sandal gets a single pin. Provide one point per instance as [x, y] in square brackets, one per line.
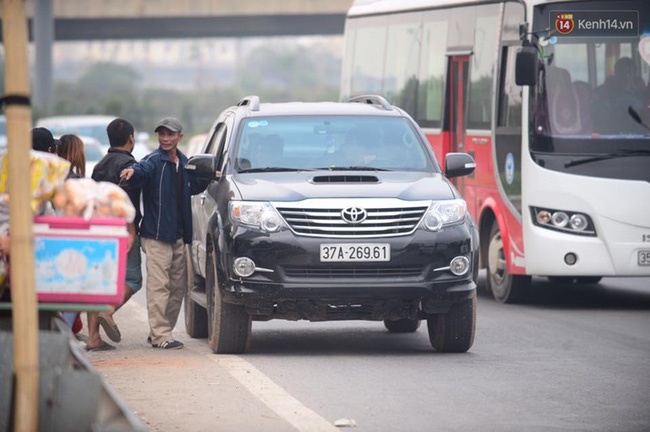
[103, 347]
[111, 329]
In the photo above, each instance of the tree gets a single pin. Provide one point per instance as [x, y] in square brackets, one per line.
[277, 73]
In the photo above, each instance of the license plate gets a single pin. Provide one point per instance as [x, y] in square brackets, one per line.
[644, 258]
[354, 252]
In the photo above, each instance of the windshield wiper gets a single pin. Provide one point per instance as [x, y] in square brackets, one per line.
[636, 117]
[271, 169]
[353, 168]
[617, 154]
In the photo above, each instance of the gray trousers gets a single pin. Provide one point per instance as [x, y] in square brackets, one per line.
[166, 278]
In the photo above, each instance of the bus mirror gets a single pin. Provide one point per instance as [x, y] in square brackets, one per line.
[526, 66]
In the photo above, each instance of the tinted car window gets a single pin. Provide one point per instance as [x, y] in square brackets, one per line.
[312, 142]
[93, 152]
[95, 131]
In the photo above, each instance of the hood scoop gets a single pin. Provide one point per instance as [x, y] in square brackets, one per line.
[345, 179]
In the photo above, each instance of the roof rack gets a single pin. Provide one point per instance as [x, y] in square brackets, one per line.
[252, 102]
[372, 100]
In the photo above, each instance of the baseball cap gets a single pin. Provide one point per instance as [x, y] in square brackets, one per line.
[171, 123]
[42, 140]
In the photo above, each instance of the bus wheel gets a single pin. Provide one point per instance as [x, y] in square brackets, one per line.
[454, 331]
[402, 325]
[505, 287]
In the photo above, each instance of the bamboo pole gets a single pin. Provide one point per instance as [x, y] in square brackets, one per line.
[23, 295]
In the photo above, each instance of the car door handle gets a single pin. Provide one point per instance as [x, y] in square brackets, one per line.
[202, 199]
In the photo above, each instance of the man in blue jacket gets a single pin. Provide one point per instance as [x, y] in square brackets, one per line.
[166, 227]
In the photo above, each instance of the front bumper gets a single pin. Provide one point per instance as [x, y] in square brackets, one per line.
[615, 252]
[415, 274]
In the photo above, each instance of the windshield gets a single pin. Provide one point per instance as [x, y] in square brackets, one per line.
[330, 142]
[593, 94]
[93, 152]
[94, 131]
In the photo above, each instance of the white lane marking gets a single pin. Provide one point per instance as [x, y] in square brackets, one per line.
[272, 395]
[258, 384]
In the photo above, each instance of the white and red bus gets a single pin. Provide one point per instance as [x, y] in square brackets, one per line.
[562, 183]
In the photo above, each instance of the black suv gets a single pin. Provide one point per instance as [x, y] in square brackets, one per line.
[328, 211]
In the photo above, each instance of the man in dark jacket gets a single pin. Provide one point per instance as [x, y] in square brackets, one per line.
[166, 227]
[108, 169]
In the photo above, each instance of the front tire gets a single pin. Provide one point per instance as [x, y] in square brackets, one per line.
[454, 331]
[402, 325]
[505, 287]
[196, 317]
[229, 326]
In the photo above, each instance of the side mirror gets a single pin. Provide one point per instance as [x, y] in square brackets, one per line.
[203, 166]
[526, 66]
[458, 164]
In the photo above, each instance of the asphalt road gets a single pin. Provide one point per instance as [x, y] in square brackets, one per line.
[573, 358]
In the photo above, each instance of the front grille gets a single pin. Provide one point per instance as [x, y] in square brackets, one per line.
[351, 272]
[385, 218]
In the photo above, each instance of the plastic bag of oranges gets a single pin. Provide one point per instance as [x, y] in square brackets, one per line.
[88, 198]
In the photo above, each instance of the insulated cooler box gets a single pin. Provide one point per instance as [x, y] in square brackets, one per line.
[80, 261]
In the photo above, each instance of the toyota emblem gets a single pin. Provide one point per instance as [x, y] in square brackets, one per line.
[354, 215]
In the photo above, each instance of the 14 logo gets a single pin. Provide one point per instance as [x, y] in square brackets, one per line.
[564, 23]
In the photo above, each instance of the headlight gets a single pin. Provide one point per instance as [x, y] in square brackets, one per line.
[260, 215]
[271, 222]
[560, 219]
[563, 220]
[444, 213]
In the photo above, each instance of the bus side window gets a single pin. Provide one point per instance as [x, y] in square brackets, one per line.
[479, 114]
[508, 138]
[510, 94]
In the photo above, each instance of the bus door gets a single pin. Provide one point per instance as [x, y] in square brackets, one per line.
[456, 99]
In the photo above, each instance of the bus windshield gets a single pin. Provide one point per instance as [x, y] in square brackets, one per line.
[593, 86]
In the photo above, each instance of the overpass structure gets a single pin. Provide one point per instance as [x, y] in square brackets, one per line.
[151, 19]
[70, 20]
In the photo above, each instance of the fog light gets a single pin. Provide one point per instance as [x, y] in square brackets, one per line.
[459, 265]
[579, 222]
[243, 267]
[560, 219]
[570, 258]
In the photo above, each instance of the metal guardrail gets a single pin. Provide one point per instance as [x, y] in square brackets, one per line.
[73, 395]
